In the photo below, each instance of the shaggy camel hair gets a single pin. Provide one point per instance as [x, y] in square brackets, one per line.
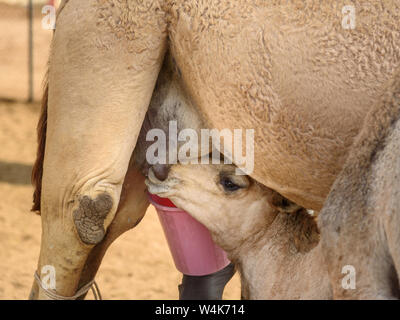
[365, 199]
[287, 69]
[277, 253]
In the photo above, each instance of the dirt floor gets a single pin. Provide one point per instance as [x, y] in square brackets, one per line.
[137, 266]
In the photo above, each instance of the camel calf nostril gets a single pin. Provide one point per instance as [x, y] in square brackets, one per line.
[161, 171]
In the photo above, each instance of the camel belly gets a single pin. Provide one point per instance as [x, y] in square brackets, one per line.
[293, 74]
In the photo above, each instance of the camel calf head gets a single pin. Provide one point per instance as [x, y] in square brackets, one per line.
[233, 207]
[271, 240]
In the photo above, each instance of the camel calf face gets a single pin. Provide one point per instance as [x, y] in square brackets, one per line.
[235, 208]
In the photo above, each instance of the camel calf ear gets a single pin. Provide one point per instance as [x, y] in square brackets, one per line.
[283, 204]
[306, 236]
[89, 217]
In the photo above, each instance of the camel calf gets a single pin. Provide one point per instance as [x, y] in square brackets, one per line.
[274, 243]
[277, 254]
[276, 251]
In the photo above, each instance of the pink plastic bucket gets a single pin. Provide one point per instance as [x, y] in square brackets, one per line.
[192, 248]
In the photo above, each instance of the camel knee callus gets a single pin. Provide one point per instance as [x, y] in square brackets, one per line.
[89, 217]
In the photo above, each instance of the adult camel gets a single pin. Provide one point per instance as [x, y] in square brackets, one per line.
[290, 70]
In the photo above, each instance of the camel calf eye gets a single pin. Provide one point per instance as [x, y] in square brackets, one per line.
[229, 185]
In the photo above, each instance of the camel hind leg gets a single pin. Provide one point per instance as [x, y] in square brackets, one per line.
[361, 216]
[103, 67]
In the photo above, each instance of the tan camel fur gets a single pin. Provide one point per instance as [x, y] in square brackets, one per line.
[365, 201]
[287, 69]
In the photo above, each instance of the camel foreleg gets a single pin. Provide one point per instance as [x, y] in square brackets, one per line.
[100, 85]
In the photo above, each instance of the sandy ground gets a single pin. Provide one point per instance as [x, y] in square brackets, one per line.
[137, 266]
[14, 52]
